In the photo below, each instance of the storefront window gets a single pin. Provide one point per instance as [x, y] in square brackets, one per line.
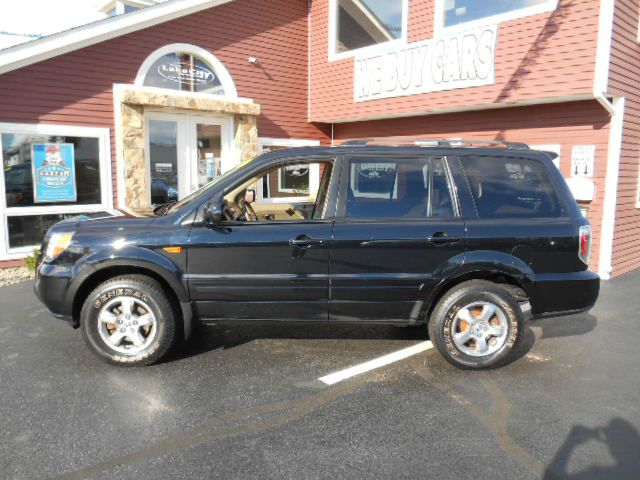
[184, 71]
[463, 11]
[362, 23]
[17, 151]
[50, 173]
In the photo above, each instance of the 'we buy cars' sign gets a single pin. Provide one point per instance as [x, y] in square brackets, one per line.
[456, 60]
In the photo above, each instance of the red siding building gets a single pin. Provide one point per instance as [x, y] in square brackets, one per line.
[158, 101]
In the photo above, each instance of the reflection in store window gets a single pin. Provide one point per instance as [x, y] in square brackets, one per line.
[183, 71]
[462, 11]
[27, 231]
[362, 23]
[18, 179]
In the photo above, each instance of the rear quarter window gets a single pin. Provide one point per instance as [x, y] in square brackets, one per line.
[505, 187]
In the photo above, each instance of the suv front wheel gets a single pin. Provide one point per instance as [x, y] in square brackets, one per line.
[477, 324]
[129, 321]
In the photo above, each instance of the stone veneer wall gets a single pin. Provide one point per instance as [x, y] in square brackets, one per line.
[133, 103]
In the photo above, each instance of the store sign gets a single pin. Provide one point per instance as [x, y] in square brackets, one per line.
[178, 73]
[53, 170]
[458, 60]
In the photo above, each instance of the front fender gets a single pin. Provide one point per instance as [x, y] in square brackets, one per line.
[128, 256]
[483, 262]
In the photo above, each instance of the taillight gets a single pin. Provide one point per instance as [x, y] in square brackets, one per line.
[584, 247]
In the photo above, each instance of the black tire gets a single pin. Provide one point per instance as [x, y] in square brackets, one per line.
[146, 294]
[465, 294]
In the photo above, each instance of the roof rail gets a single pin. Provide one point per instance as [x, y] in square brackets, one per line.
[437, 142]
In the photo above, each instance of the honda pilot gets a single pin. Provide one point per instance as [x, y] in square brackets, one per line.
[467, 239]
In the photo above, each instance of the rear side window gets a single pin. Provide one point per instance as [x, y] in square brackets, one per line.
[398, 188]
[504, 187]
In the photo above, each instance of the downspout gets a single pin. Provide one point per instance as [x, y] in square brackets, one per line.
[615, 107]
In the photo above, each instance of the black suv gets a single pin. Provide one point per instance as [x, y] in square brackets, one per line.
[466, 237]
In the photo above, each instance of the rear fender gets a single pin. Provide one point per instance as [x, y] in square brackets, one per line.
[482, 264]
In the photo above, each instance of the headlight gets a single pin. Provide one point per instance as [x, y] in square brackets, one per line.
[58, 243]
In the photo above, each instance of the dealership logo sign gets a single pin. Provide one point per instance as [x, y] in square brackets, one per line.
[175, 72]
[457, 60]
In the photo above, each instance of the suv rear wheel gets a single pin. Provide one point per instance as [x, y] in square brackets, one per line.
[476, 325]
[128, 320]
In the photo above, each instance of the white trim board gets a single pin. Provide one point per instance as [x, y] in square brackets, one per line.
[609, 204]
[76, 38]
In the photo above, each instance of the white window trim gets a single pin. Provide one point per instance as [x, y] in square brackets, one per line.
[334, 55]
[314, 170]
[226, 80]
[104, 149]
[441, 28]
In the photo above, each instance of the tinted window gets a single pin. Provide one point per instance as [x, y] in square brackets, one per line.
[392, 188]
[505, 187]
[18, 178]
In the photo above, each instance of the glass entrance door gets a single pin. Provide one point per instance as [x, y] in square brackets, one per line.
[185, 152]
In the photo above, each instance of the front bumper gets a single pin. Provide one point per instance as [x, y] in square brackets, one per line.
[51, 287]
[556, 294]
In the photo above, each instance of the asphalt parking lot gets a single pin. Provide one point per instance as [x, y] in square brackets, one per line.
[246, 403]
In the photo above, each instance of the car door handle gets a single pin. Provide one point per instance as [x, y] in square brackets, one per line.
[306, 242]
[441, 238]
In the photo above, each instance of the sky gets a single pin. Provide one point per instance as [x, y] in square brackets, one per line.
[44, 17]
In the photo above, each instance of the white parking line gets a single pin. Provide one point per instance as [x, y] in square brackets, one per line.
[350, 372]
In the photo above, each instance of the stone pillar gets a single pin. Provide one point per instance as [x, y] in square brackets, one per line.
[246, 137]
[135, 164]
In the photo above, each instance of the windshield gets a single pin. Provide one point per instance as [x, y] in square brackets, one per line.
[204, 190]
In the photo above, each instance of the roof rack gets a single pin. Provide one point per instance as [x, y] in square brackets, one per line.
[436, 142]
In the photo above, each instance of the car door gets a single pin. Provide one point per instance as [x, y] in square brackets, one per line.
[397, 233]
[267, 269]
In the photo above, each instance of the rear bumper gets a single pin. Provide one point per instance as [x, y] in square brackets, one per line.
[556, 294]
[51, 287]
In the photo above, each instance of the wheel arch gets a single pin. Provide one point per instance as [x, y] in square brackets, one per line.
[171, 286]
[510, 274]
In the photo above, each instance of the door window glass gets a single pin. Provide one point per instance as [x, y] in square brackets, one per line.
[209, 151]
[294, 191]
[505, 187]
[390, 188]
[163, 159]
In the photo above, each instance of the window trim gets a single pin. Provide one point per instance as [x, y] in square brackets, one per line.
[334, 55]
[225, 77]
[314, 171]
[441, 28]
[106, 188]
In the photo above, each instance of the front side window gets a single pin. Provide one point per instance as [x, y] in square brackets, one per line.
[286, 192]
[505, 187]
[362, 23]
[398, 188]
[463, 11]
[184, 71]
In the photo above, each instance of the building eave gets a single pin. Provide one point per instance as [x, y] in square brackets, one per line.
[67, 41]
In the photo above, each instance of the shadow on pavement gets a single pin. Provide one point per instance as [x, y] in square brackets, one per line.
[619, 436]
[207, 338]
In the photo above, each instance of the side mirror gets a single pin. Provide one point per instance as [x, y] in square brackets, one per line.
[213, 213]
